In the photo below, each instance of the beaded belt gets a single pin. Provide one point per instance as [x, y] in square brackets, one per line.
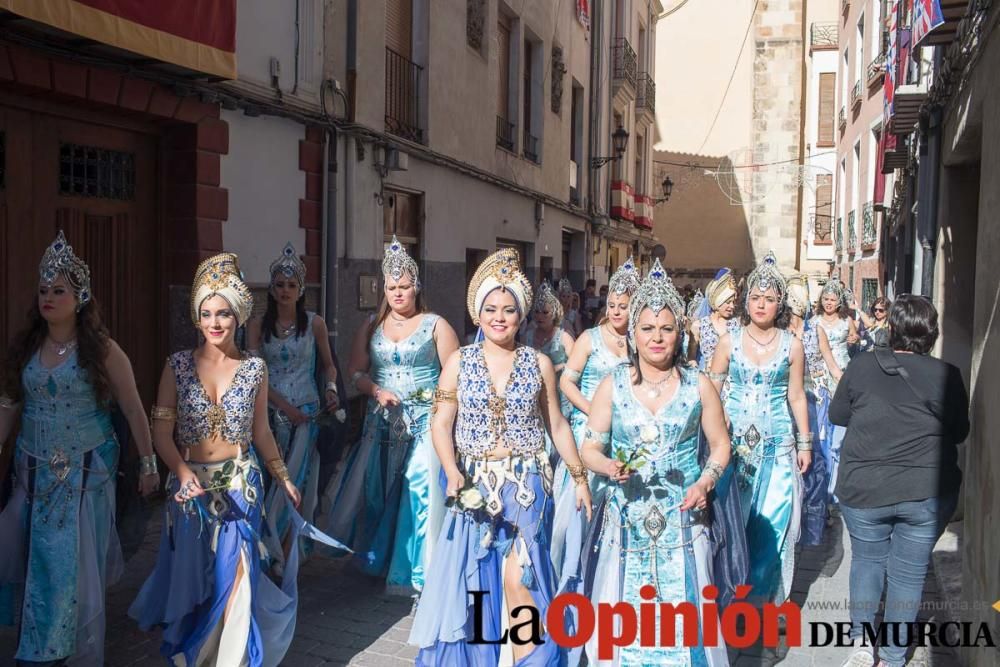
[493, 474]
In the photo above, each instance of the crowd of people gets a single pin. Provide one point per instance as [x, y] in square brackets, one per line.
[627, 444]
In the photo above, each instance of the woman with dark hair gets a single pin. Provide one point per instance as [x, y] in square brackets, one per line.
[765, 365]
[291, 340]
[876, 324]
[905, 413]
[61, 379]
[385, 499]
[652, 525]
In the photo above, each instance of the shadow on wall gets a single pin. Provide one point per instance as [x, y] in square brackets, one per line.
[704, 226]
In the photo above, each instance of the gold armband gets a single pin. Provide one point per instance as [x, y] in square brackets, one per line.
[164, 414]
[444, 396]
[278, 469]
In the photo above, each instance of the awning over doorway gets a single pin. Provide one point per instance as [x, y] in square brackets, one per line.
[196, 34]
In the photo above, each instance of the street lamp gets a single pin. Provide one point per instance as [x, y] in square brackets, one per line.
[668, 187]
[619, 139]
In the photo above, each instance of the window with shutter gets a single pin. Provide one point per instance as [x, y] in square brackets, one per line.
[399, 26]
[823, 215]
[827, 101]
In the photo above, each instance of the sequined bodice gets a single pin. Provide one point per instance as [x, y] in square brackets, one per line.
[487, 420]
[409, 365]
[60, 409]
[815, 365]
[291, 365]
[600, 362]
[669, 438]
[836, 334]
[231, 418]
[708, 339]
[758, 395]
[553, 349]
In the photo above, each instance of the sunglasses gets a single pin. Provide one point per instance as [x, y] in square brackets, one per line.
[879, 310]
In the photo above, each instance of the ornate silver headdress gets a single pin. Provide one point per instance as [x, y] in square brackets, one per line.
[835, 287]
[290, 265]
[397, 262]
[695, 304]
[625, 280]
[59, 260]
[546, 297]
[565, 287]
[656, 292]
[767, 276]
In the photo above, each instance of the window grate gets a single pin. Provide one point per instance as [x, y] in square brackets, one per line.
[89, 171]
[869, 292]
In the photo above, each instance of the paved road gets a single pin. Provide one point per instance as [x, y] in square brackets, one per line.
[345, 618]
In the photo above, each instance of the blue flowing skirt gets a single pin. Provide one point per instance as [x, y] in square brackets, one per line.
[816, 481]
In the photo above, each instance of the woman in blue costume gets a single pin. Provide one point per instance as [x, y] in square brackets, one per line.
[596, 354]
[818, 356]
[720, 298]
[833, 316]
[765, 366]
[291, 340]
[495, 402]
[207, 591]
[545, 334]
[651, 530]
[385, 500]
[57, 531]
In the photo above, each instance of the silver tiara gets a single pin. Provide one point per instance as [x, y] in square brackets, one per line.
[835, 287]
[59, 260]
[546, 297]
[695, 304]
[655, 292]
[397, 262]
[565, 286]
[625, 280]
[290, 265]
[767, 276]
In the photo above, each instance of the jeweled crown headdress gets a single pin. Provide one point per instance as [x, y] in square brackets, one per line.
[290, 265]
[565, 287]
[695, 304]
[501, 269]
[798, 294]
[625, 280]
[721, 288]
[767, 276]
[546, 297]
[835, 287]
[220, 274]
[397, 262]
[59, 260]
[656, 292]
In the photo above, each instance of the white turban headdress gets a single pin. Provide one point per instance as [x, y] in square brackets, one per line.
[721, 289]
[501, 270]
[798, 294]
[220, 275]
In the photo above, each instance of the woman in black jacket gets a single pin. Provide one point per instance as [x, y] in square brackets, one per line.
[898, 482]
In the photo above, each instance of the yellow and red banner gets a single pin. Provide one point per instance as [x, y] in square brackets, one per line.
[196, 34]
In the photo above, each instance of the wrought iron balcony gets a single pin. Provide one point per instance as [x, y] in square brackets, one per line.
[529, 146]
[842, 118]
[625, 61]
[838, 235]
[869, 235]
[856, 94]
[402, 96]
[852, 235]
[646, 98]
[823, 35]
[505, 133]
[876, 70]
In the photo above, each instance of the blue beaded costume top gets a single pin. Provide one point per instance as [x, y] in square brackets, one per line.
[709, 338]
[599, 364]
[487, 420]
[409, 365]
[291, 365]
[758, 395]
[232, 417]
[815, 365]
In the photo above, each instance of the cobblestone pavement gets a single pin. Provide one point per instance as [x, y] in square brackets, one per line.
[346, 618]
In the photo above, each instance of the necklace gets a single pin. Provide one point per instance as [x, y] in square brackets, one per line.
[760, 347]
[656, 388]
[398, 322]
[619, 340]
[62, 348]
[286, 331]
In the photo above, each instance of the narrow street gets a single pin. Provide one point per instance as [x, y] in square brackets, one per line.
[345, 618]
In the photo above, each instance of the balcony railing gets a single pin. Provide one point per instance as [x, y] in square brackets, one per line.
[529, 146]
[625, 61]
[823, 35]
[869, 235]
[856, 94]
[646, 98]
[402, 96]
[852, 235]
[838, 235]
[876, 70]
[505, 133]
[842, 118]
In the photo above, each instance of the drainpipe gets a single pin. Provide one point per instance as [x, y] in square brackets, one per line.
[928, 227]
[331, 270]
[597, 39]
